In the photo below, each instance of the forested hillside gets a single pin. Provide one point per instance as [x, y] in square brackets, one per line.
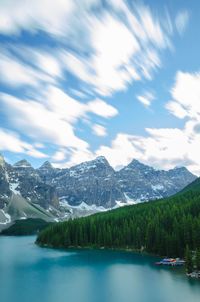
[24, 227]
[163, 227]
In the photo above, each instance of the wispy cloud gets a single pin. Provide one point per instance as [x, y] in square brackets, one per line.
[10, 141]
[60, 155]
[119, 45]
[117, 60]
[165, 147]
[185, 96]
[46, 15]
[51, 117]
[181, 21]
[15, 73]
[101, 108]
[99, 130]
[105, 46]
[146, 99]
[162, 148]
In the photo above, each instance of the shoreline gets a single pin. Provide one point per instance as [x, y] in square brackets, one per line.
[102, 248]
[125, 250]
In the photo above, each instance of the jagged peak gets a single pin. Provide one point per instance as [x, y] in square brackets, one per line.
[181, 169]
[98, 160]
[137, 164]
[84, 166]
[22, 164]
[46, 165]
[101, 159]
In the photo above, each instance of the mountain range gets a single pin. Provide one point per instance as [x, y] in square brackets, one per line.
[56, 194]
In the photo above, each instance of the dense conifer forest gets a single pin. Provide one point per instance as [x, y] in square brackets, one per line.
[164, 227]
[24, 227]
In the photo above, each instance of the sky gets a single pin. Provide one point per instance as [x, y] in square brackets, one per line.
[81, 79]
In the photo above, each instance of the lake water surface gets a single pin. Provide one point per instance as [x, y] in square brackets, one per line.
[32, 274]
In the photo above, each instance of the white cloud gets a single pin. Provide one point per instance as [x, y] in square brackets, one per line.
[39, 145]
[78, 93]
[59, 155]
[166, 147]
[44, 122]
[121, 151]
[47, 15]
[76, 156]
[61, 104]
[124, 46]
[101, 108]
[10, 141]
[153, 28]
[76, 65]
[44, 60]
[16, 73]
[35, 153]
[176, 109]
[146, 99]
[131, 54]
[99, 130]
[48, 64]
[114, 46]
[185, 96]
[118, 46]
[181, 21]
[161, 148]
[51, 117]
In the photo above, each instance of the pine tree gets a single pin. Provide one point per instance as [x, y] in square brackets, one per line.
[197, 259]
[189, 261]
[164, 227]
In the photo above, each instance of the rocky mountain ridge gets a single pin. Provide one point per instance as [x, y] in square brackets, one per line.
[85, 188]
[96, 182]
[23, 194]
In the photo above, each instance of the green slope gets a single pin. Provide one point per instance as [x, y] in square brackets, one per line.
[163, 227]
[28, 226]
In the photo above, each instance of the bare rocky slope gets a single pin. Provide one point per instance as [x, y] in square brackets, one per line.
[51, 193]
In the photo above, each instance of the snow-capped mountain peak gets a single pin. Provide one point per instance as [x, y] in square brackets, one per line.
[89, 185]
[22, 164]
[46, 165]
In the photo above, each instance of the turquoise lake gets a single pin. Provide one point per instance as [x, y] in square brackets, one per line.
[30, 274]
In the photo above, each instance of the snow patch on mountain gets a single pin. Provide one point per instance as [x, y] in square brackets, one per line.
[83, 206]
[157, 187]
[13, 187]
[130, 200]
[6, 217]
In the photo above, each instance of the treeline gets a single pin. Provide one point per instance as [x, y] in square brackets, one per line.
[192, 260]
[164, 227]
[25, 227]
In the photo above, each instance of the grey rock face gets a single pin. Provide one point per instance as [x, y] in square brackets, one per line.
[4, 185]
[141, 182]
[22, 179]
[47, 172]
[96, 182]
[92, 182]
